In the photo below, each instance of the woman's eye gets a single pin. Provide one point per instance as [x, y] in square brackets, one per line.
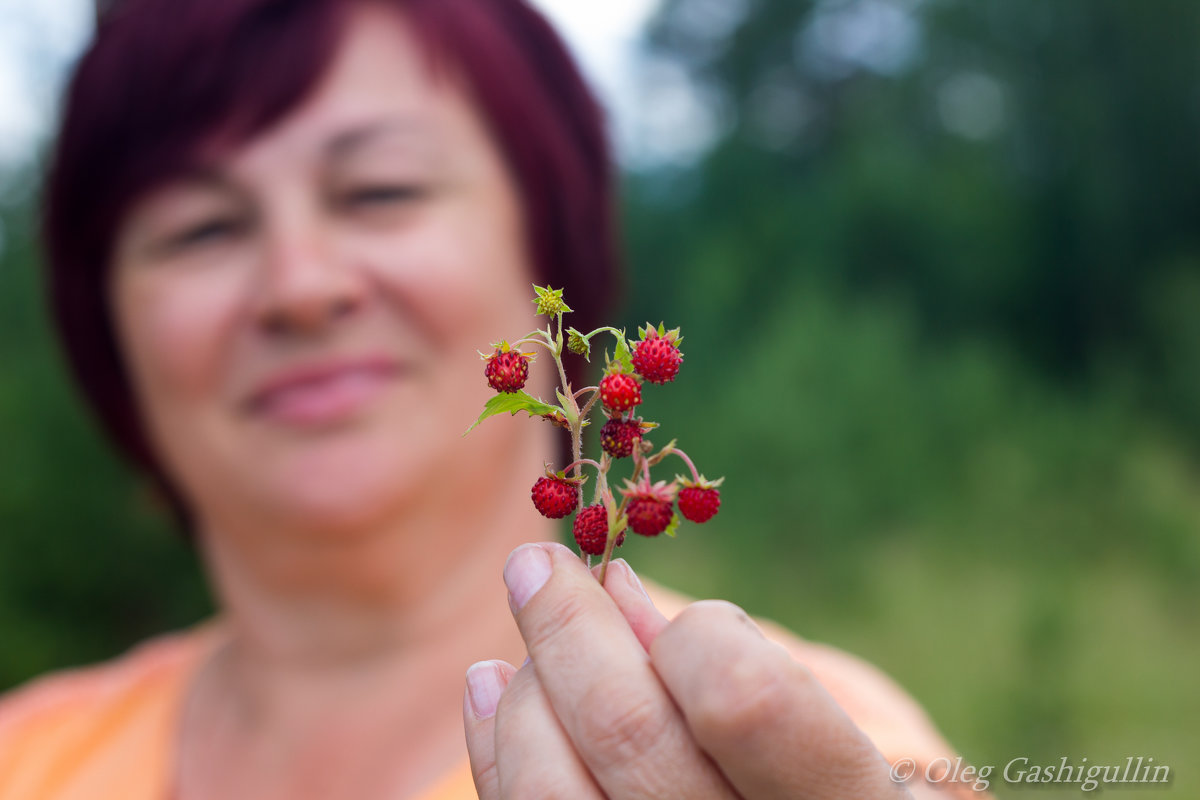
[370, 196]
[206, 232]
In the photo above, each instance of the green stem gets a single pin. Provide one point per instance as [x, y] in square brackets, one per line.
[577, 421]
[604, 495]
[602, 479]
[613, 514]
[533, 340]
[584, 461]
[613, 331]
[587, 407]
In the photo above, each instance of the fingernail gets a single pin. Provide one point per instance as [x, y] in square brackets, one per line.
[484, 688]
[631, 577]
[527, 570]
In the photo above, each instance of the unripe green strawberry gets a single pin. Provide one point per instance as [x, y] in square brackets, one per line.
[555, 497]
[620, 392]
[699, 504]
[577, 344]
[619, 436]
[507, 370]
[657, 358]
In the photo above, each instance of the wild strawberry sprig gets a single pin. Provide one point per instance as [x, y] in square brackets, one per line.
[646, 508]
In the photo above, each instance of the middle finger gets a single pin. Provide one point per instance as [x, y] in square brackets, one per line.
[534, 758]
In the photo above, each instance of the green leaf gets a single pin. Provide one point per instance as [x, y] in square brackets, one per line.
[565, 406]
[623, 356]
[672, 526]
[514, 402]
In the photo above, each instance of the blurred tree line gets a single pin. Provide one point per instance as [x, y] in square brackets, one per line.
[940, 270]
[959, 210]
[938, 275]
[1012, 170]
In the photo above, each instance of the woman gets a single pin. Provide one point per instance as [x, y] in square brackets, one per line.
[278, 232]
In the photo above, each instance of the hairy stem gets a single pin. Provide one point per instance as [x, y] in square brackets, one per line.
[604, 329]
[587, 407]
[580, 461]
[688, 461]
[535, 340]
[613, 515]
[578, 419]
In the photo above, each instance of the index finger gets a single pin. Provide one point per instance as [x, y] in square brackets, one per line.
[600, 682]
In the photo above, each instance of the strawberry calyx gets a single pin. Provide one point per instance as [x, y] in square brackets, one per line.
[549, 301]
[661, 490]
[561, 475]
[700, 482]
[501, 347]
[651, 332]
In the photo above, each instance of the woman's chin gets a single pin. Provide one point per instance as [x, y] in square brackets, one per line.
[356, 480]
[338, 492]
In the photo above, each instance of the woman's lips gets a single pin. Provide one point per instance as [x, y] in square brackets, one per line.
[324, 396]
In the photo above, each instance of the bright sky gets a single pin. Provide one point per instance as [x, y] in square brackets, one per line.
[39, 39]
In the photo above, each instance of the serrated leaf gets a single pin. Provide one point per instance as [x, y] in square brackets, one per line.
[672, 526]
[514, 402]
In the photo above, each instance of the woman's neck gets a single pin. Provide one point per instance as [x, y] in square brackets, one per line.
[368, 637]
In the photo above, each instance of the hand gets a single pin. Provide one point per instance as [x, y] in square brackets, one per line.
[617, 702]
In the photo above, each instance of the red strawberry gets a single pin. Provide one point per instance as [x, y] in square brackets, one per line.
[620, 392]
[657, 358]
[507, 370]
[699, 504]
[555, 497]
[618, 436]
[649, 511]
[648, 516]
[591, 529]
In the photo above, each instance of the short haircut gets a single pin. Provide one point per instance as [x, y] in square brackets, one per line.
[163, 78]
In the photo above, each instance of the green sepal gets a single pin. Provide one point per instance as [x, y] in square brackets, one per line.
[578, 343]
[563, 476]
[566, 406]
[673, 526]
[622, 525]
[549, 301]
[514, 402]
[671, 335]
[623, 356]
[703, 483]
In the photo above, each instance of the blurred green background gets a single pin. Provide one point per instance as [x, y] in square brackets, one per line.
[938, 274]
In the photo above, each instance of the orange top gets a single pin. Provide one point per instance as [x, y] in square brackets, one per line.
[107, 732]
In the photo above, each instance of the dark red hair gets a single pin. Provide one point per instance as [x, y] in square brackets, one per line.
[164, 78]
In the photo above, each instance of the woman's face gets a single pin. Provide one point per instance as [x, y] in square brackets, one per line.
[301, 320]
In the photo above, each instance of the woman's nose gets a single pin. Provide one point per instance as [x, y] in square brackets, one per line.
[305, 285]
